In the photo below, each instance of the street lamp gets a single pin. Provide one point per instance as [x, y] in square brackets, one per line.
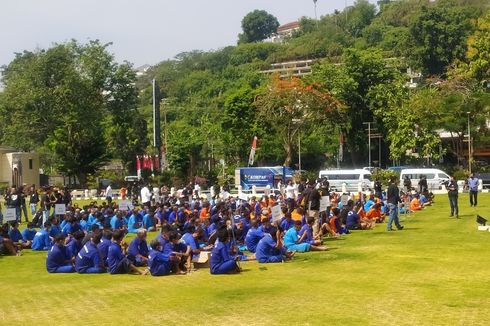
[469, 142]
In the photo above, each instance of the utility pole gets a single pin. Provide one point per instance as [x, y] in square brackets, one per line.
[316, 16]
[369, 141]
[469, 143]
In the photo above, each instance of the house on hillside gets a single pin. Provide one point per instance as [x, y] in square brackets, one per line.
[285, 31]
[18, 168]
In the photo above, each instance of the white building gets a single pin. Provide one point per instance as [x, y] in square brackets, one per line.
[18, 168]
[285, 31]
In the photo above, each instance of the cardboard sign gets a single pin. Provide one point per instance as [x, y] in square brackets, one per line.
[324, 202]
[276, 213]
[59, 209]
[124, 205]
[243, 197]
[344, 199]
[10, 215]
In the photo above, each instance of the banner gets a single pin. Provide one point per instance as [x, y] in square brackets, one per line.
[59, 209]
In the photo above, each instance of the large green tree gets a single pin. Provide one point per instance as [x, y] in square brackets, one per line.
[257, 26]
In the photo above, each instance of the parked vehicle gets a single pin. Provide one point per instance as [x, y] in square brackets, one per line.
[352, 179]
[435, 177]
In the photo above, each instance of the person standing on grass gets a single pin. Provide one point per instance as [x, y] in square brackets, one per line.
[452, 193]
[473, 187]
[33, 200]
[393, 198]
[109, 194]
[13, 200]
[312, 206]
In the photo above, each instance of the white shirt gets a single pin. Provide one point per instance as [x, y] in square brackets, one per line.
[290, 189]
[108, 191]
[145, 195]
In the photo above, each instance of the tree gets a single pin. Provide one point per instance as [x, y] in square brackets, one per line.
[67, 101]
[257, 26]
[478, 54]
[289, 105]
[439, 36]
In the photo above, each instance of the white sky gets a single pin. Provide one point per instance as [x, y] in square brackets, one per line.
[144, 31]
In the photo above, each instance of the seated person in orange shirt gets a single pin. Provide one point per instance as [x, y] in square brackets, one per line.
[415, 204]
[297, 214]
[375, 214]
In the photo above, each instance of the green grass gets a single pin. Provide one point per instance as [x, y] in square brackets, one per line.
[436, 272]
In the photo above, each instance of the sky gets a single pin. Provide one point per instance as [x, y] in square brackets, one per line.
[144, 31]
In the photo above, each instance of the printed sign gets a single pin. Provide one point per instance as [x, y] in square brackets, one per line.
[59, 209]
[10, 215]
[324, 202]
[276, 213]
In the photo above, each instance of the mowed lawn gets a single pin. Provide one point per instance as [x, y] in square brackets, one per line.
[435, 272]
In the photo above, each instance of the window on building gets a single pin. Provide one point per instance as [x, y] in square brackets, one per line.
[30, 164]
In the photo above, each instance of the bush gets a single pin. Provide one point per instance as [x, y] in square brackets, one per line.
[384, 176]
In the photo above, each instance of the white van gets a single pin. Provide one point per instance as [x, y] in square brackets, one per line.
[352, 179]
[435, 177]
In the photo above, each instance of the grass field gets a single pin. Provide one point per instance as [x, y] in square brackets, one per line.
[435, 272]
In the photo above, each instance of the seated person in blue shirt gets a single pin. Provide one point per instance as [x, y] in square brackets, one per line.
[149, 221]
[270, 250]
[41, 239]
[253, 236]
[59, 259]
[306, 232]
[138, 249]
[159, 263]
[55, 227]
[353, 220]
[88, 259]
[118, 221]
[74, 245]
[28, 234]
[104, 244]
[287, 221]
[221, 262]
[16, 236]
[180, 250]
[190, 239]
[295, 241]
[135, 222]
[117, 262]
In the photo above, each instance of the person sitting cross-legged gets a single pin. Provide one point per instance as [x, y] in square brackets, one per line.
[117, 262]
[294, 242]
[138, 249]
[59, 259]
[88, 260]
[221, 262]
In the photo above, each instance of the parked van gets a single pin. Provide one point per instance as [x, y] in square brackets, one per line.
[435, 178]
[351, 178]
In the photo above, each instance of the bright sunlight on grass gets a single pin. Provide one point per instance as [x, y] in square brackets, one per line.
[435, 272]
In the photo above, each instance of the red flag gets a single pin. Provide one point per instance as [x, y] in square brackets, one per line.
[251, 158]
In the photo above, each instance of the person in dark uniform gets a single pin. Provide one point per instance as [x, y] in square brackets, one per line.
[452, 192]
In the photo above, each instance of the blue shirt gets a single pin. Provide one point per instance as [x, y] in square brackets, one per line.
[66, 228]
[137, 247]
[15, 235]
[190, 241]
[147, 221]
[286, 225]
[265, 248]
[87, 258]
[73, 246]
[290, 237]
[134, 223]
[116, 223]
[159, 263]
[309, 234]
[473, 184]
[55, 230]
[57, 257]
[253, 237]
[28, 235]
[103, 247]
[368, 204]
[219, 255]
[352, 220]
[114, 257]
[41, 241]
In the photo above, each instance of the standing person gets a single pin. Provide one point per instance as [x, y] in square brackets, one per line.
[312, 205]
[473, 187]
[393, 198]
[423, 186]
[145, 196]
[378, 188]
[407, 183]
[109, 194]
[452, 192]
[14, 200]
[290, 196]
[33, 200]
[23, 204]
